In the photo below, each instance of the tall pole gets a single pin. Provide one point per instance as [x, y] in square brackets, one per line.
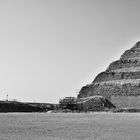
[7, 97]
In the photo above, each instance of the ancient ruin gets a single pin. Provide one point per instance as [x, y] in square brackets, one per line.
[120, 82]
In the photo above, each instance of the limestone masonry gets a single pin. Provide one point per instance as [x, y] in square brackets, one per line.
[121, 78]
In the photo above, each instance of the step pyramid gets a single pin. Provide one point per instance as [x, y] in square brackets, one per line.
[120, 79]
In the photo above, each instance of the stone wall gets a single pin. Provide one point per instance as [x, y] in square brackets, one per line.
[126, 101]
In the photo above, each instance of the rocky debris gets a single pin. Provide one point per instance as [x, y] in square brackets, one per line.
[122, 77]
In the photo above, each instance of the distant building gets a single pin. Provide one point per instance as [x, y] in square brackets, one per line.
[67, 103]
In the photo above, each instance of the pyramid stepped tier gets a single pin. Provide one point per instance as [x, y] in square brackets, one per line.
[133, 53]
[122, 78]
[118, 87]
[110, 76]
[122, 64]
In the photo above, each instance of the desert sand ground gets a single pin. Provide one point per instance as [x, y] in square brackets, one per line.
[68, 126]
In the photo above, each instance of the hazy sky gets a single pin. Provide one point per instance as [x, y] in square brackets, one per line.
[49, 49]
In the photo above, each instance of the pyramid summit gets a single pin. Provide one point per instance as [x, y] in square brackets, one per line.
[133, 53]
[120, 83]
[136, 46]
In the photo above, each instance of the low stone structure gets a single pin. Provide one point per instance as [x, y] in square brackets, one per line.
[67, 103]
[94, 103]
